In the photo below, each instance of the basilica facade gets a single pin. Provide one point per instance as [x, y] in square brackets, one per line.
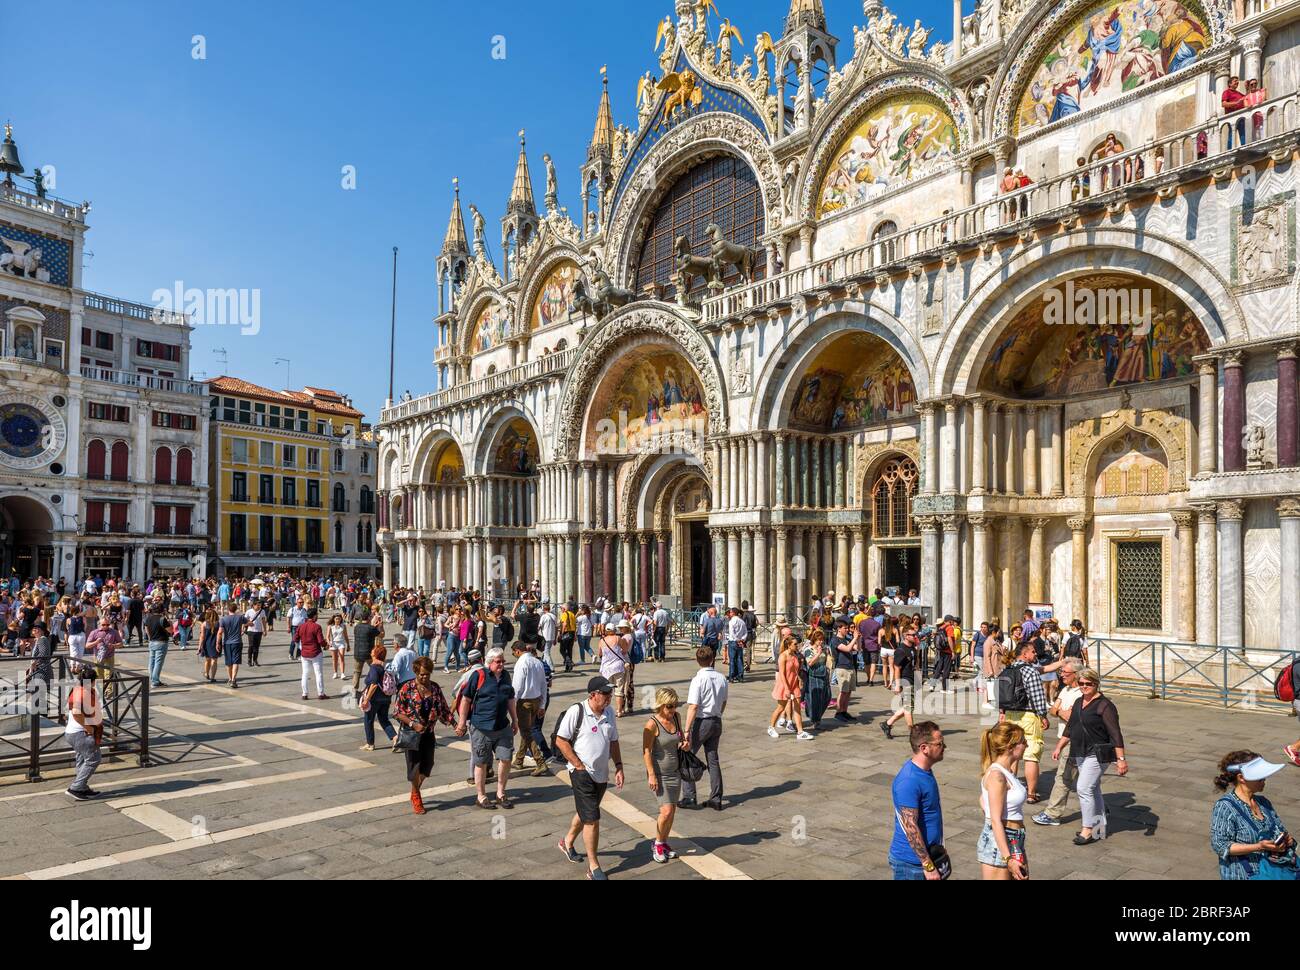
[1011, 320]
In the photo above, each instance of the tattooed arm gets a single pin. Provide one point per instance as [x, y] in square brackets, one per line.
[910, 820]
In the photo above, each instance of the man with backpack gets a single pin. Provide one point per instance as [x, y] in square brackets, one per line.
[587, 738]
[503, 631]
[488, 713]
[1022, 701]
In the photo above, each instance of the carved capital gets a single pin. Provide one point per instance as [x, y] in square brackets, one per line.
[951, 523]
[1208, 368]
[928, 524]
[1184, 520]
[1037, 525]
[980, 522]
[1232, 510]
[1289, 508]
[1233, 358]
[1078, 523]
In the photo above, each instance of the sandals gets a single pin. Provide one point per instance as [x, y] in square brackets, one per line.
[485, 803]
[503, 801]
[1033, 799]
[1080, 840]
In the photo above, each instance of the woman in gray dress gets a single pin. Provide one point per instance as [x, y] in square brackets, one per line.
[661, 741]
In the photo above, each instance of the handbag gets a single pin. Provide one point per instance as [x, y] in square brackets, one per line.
[689, 766]
[407, 739]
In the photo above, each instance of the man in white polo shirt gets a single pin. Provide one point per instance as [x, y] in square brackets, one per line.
[587, 738]
[705, 702]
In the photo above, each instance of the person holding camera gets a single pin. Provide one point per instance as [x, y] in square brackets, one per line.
[1245, 831]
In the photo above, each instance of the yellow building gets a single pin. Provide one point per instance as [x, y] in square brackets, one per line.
[279, 462]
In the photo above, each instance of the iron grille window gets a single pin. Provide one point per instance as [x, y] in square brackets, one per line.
[891, 500]
[1139, 585]
[722, 190]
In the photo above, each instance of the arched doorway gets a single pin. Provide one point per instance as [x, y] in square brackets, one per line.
[893, 529]
[509, 459]
[26, 538]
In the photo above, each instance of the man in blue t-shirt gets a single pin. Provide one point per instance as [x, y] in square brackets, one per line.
[918, 816]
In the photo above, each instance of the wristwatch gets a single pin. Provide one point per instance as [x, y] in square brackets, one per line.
[927, 865]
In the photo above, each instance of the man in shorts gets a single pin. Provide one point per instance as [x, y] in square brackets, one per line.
[587, 738]
[487, 708]
[846, 648]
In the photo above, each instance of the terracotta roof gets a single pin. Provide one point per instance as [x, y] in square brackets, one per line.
[235, 385]
[323, 392]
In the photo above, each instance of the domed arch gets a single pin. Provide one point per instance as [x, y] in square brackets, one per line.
[1044, 83]
[428, 448]
[550, 279]
[487, 323]
[778, 383]
[924, 96]
[635, 326]
[651, 477]
[690, 142]
[511, 428]
[971, 339]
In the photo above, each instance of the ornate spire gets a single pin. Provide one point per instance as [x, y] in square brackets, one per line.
[805, 13]
[521, 195]
[602, 141]
[456, 241]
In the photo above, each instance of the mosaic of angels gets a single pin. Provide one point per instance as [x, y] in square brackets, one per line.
[450, 467]
[856, 381]
[1093, 333]
[898, 141]
[657, 395]
[517, 452]
[492, 326]
[556, 296]
[1111, 49]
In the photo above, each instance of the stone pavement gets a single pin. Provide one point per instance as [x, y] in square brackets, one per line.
[256, 784]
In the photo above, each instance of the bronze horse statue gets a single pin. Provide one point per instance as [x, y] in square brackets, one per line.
[689, 267]
[726, 254]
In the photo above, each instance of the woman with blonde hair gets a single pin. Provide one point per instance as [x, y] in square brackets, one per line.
[788, 691]
[661, 741]
[1001, 848]
[209, 648]
[817, 661]
[887, 637]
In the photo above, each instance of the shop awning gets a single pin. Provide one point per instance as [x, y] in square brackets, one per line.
[171, 562]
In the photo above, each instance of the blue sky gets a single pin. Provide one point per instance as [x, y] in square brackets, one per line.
[226, 172]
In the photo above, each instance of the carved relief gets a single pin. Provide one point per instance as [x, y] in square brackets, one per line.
[1263, 243]
[1167, 427]
[868, 456]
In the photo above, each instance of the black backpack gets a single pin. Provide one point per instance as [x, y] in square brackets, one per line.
[555, 733]
[1074, 646]
[1012, 693]
[505, 630]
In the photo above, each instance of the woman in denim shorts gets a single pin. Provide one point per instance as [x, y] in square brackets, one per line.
[1001, 848]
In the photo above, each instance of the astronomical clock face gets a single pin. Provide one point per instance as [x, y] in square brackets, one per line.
[32, 433]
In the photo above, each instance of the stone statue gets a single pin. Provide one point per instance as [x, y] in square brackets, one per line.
[916, 45]
[552, 185]
[740, 373]
[725, 254]
[725, 34]
[622, 142]
[1261, 246]
[1254, 442]
[898, 39]
[883, 25]
[480, 231]
[689, 267]
[645, 97]
[23, 260]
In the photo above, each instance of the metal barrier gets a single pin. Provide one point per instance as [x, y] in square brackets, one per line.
[1230, 676]
[26, 705]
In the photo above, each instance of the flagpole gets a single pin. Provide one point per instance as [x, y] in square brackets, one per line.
[392, 331]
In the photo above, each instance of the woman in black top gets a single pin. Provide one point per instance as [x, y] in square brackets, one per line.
[1096, 742]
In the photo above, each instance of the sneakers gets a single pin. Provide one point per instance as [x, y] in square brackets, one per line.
[1042, 818]
[304, 696]
[367, 747]
[1292, 755]
[888, 730]
[597, 875]
[81, 796]
[322, 697]
[803, 736]
[772, 733]
[568, 852]
[781, 722]
[417, 803]
[658, 854]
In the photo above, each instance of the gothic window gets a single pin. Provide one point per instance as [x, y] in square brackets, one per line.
[891, 500]
[721, 191]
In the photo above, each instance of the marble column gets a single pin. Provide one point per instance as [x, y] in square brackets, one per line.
[607, 585]
[764, 473]
[747, 566]
[950, 583]
[1037, 578]
[762, 567]
[1208, 427]
[808, 492]
[1008, 608]
[930, 442]
[751, 462]
[735, 471]
[629, 568]
[1231, 573]
[840, 469]
[857, 556]
[1079, 568]
[719, 480]
[1010, 416]
[781, 492]
[718, 543]
[983, 609]
[930, 562]
[799, 572]
[387, 558]
[733, 567]
[949, 465]
[1288, 510]
[1031, 452]
[843, 564]
[661, 561]
[1234, 417]
[1186, 630]
[782, 570]
[643, 541]
[1058, 450]
[994, 483]
[979, 450]
[1288, 418]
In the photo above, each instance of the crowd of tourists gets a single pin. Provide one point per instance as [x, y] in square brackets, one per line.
[391, 641]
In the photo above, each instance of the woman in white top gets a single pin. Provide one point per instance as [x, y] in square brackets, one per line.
[1001, 848]
[337, 635]
[612, 651]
